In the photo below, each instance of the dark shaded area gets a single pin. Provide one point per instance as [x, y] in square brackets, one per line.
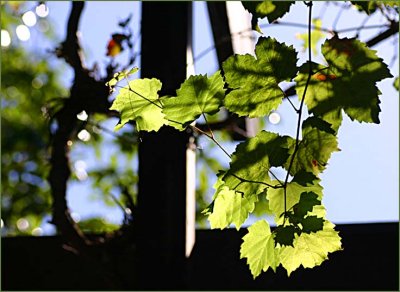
[369, 261]
[161, 209]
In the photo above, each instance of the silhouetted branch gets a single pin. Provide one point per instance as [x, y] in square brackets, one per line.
[393, 29]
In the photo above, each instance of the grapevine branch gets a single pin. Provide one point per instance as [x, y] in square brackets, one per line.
[309, 4]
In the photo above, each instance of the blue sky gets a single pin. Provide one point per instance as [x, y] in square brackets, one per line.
[361, 183]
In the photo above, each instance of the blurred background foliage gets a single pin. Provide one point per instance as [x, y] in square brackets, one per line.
[31, 89]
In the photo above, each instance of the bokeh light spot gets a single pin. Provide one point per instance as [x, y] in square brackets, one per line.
[84, 135]
[29, 18]
[42, 10]
[37, 231]
[83, 116]
[274, 118]
[22, 224]
[5, 38]
[23, 32]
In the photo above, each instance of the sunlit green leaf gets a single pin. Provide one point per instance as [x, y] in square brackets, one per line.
[252, 160]
[315, 148]
[139, 101]
[348, 82]
[259, 248]
[310, 250]
[294, 190]
[272, 10]
[120, 76]
[230, 207]
[254, 80]
[197, 95]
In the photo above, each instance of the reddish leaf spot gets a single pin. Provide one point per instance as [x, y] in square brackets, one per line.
[320, 76]
[314, 163]
[332, 76]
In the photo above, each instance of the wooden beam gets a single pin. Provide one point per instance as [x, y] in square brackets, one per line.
[161, 218]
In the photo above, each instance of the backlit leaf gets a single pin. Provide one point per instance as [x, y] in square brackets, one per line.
[348, 82]
[251, 161]
[272, 10]
[259, 248]
[310, 250]
[197, 95]
[139, 101]
[254, 80]
[120, 76]
[315, 148]
[230, 207]
[294, 190]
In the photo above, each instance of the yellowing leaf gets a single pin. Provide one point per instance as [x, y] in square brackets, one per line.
[139, 101]
[259, 248]
[310, 250]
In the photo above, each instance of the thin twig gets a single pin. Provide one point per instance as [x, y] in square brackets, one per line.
[210, 137]
[255, 182]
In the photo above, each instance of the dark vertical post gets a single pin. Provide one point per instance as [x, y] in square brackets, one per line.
[220, 28]
[161, 219]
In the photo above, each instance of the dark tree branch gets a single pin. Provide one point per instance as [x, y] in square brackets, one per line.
[86, 94]
[393, 29]
[70, 48]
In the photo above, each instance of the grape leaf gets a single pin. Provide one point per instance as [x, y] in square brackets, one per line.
[396, 83]
[197, 95]
[272, 10]
[348, 83]
[284, 235]
[310, 250]
[316, 36]
[315, 148]
[218, 185]
[230, 207]
[254, 81]
[259, 248]
[294, 189]
[251, 161]
[306, 204]
[368, 7]
[119, 76]
[312, 224]
[139, 101]
[262, 205]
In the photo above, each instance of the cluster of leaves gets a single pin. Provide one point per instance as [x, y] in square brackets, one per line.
[346, 83]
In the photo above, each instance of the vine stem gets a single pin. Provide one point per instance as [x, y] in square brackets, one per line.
[212, 138]
[309, 4]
